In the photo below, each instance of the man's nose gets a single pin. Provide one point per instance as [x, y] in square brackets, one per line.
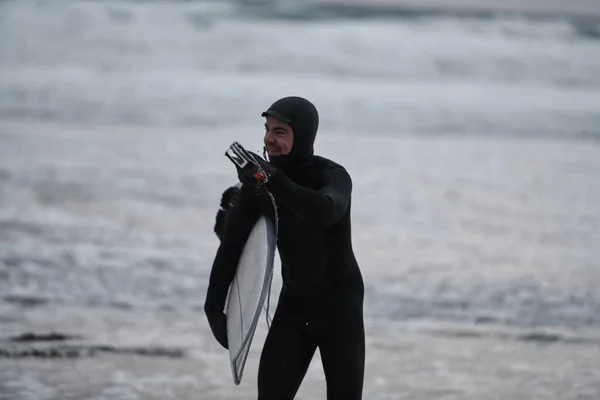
[269, 137]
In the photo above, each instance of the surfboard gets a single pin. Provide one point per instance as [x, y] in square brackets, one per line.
[248, 292]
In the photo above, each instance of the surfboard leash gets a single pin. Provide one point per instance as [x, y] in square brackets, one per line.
[276, 221]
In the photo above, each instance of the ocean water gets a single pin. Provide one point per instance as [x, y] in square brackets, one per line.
[473, 143]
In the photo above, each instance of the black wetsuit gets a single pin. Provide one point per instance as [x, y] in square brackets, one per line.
[321, 302]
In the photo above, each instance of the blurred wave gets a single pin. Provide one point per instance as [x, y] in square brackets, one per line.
[196, 64]
[479, 232]
[488, 10]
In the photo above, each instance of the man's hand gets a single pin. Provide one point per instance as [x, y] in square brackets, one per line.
[228, 200]
[252, 169]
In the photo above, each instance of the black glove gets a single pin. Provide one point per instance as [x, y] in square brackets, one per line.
[218, 326]
[228, 199]
[252, 169]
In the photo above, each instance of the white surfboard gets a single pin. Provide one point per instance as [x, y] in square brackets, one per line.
[248, 292]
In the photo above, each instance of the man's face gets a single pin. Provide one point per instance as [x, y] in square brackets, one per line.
[279, 137]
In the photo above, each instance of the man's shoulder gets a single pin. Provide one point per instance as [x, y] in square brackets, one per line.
[327, 164]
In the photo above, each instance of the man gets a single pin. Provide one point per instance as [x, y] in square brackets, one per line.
[321, 301]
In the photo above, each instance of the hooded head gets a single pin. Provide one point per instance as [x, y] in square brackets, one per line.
[303, 118]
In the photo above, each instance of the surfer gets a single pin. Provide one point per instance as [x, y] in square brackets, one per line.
[321, 300]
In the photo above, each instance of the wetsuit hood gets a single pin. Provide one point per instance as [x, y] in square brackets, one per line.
[303, 117]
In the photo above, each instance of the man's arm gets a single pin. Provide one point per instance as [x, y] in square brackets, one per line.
[237, 228]
[324, 206]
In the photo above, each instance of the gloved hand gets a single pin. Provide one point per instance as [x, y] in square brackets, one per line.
[218, 326]
[252, 169]
[228, 199]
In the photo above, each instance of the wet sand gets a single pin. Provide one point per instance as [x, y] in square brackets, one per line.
[404, 361]
[538, 7]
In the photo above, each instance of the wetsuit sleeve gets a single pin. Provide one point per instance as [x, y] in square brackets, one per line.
[236, 231]
[324, 206]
